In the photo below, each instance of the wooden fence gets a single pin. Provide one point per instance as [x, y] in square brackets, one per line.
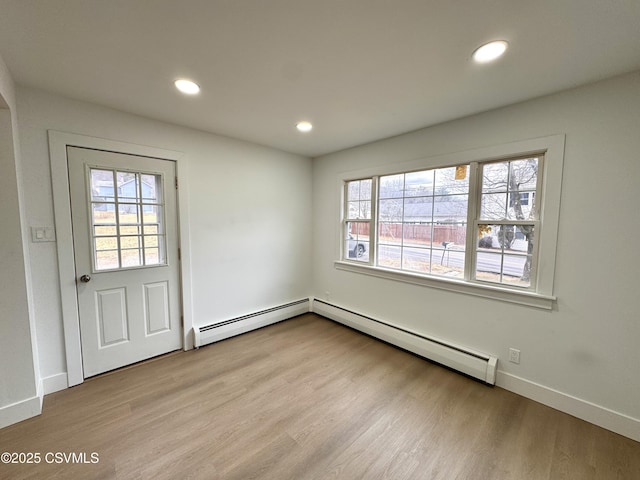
[417, 233]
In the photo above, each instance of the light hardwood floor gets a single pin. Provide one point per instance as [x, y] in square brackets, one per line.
[308, 399]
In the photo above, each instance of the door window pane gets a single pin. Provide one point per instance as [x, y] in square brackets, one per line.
[102, 188]
[128, 186]
[107, 260]
[151, 188]
[127, 219]
[131, 258]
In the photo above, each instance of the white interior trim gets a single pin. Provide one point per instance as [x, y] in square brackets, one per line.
[522, 297]
[54, 383]
[590, 412]
[19, 411]
[58, 142]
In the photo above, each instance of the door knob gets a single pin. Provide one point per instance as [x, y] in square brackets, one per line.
[85, 278]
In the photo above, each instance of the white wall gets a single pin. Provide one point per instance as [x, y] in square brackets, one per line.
[587, 347]
[249, 213]
[18, 371]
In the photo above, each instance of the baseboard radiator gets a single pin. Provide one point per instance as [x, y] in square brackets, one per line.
[203, 335]
[462, 359]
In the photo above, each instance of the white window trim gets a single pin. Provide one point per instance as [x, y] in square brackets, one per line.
[549, 213]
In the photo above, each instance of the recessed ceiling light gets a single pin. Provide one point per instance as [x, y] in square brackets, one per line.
[187, 86]
[490, 51]
[304, 126]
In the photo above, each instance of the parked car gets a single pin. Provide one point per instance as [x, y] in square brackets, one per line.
[356, 249]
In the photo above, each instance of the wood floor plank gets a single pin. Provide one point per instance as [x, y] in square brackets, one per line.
[308, 399]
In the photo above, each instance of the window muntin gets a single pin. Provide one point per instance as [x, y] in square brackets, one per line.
[127, 219]
[358, 216]
[507, 222]
[423, 220]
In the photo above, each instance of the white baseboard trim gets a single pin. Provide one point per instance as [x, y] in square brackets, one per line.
[54, 383]
[596, 414]
[19, 411]
[603, 417]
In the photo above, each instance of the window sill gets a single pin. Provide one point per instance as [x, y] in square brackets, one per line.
[521, 297]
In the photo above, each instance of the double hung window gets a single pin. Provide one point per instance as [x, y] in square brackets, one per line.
[476, 223]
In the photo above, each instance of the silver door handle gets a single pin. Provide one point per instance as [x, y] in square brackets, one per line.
[85, 278]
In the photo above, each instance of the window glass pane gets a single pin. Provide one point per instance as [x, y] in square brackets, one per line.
[418, 209]
[392, 186]
[128, 186]
[128, 213]
[493, 206]
[359, 190]
[359, 199]
[103, 213]
[151, 256]
[447, 183]
[100, 231]
[101, 185]
[365, 189]
[495, 177]
[151, 241]
[151, 229]
[521, 206]
[106, 243]
[153, 249]
[514, 268]
[417, 234]
[518, 180]
[131, 258]
[353, 190]
[389, 256]
[365, 209]
[416, 259]
[129, 229]
[391, 210]
[505, 253]
[450, 236]
[523, 175]
[151, 188]
[390, 233]
[130, 242]
[523, 179]
[353, 210]
[418, 184]
[357, 241]
[488, 266]
[448, 258]
[450, 208]
[106, 260]
[153, 215]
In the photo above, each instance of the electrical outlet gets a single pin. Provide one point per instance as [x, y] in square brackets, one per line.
[514, 355]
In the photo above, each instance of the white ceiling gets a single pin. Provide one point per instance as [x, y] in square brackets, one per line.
[360, 70]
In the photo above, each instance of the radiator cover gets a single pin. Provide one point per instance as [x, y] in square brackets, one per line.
[475, 364]
[214, 332]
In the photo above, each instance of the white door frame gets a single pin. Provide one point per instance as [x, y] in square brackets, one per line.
[58, 142]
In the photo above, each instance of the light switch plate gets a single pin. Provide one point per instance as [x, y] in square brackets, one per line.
[43, 234]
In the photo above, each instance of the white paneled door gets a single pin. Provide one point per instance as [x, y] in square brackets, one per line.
[126, 254]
